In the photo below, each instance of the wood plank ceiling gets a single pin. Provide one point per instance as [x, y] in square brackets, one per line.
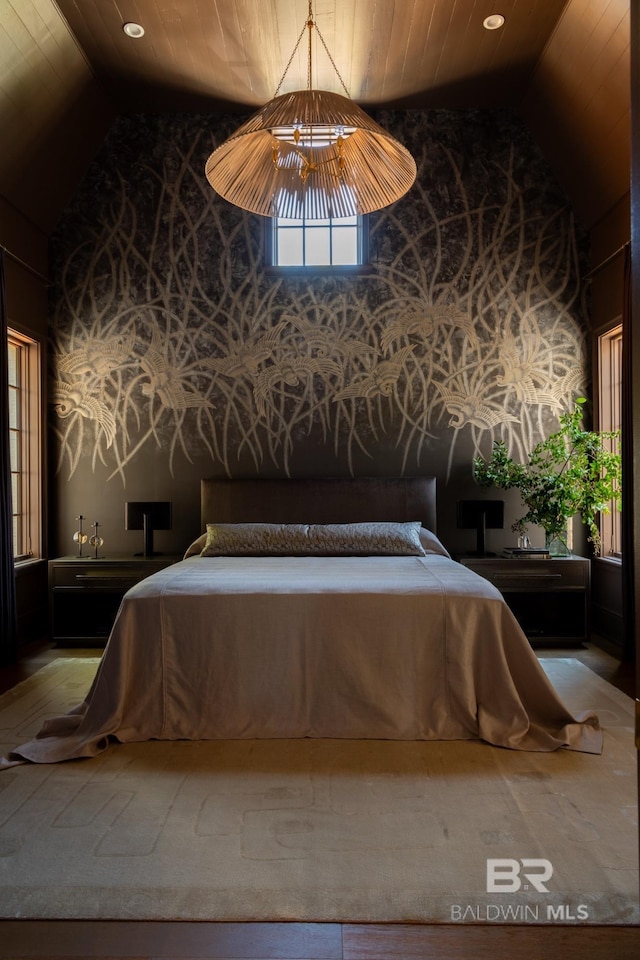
[67, 68]
[407, 52]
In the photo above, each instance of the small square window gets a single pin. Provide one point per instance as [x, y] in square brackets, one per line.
[327, 243]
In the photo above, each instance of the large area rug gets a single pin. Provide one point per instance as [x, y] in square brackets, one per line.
[320, 829]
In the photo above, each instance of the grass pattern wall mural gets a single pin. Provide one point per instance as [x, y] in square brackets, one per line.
[168, 330]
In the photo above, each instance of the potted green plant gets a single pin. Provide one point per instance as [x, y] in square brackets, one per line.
[572, 471]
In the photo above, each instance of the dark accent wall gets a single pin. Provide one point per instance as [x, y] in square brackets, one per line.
[177, 355]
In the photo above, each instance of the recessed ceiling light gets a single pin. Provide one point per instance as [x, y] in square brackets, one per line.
[133, 30]
[494, 22]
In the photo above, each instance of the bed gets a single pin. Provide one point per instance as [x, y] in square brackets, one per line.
[358, 624]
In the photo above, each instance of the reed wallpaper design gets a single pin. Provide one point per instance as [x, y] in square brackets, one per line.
[169, 332]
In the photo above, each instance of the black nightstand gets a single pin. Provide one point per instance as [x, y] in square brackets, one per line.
[549, 598]
[85, 594]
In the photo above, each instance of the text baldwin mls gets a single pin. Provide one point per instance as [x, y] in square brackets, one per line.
[506, 876]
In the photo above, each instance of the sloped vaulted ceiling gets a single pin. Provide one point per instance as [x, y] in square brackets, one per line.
[578, 104]
[53, 112]
[66, 69]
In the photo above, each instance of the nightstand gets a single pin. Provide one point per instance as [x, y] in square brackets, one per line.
[85, 593]
[549, 598]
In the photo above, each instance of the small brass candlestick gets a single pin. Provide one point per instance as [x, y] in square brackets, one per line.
[96, 541]
[79, 536]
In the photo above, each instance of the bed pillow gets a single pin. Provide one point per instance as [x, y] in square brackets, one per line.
[195, 549]
[295, 539]
[431, 544]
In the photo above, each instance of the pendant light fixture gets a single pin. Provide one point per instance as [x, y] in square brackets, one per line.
[311, 154]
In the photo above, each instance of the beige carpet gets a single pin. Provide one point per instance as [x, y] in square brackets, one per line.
[319, 830]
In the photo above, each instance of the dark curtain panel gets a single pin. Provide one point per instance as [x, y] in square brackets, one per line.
[628, 605]
[8, 630]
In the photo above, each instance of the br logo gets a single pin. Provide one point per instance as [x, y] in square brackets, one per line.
[505, 876]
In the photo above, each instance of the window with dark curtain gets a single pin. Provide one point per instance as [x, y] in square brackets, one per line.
[8, 630]
[628, 560]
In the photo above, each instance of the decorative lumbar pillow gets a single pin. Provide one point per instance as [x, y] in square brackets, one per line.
[255, 540]
[376, 538]
[297, 539]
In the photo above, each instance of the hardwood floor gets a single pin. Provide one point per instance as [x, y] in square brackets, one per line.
[600, 657]
[35, 658]
[47, 940]
[107, 940]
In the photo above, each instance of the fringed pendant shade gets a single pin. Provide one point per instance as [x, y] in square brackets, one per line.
[311, 154]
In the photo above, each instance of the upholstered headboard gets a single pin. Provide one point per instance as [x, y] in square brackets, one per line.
[327, 500]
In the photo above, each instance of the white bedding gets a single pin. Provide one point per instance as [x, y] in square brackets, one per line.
[359, 647]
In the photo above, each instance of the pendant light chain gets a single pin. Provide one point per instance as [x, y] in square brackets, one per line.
[309, 25]
[344, 86]
[286, 69]
[309, 55]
